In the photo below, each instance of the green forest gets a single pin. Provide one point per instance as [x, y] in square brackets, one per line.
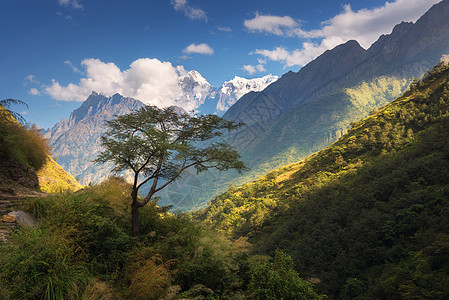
[365, 218]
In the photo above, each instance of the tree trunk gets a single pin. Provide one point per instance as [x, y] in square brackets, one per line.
[135, 219]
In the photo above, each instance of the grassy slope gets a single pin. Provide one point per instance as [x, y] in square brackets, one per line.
[28, 151]
[54, 179]
[367, 216]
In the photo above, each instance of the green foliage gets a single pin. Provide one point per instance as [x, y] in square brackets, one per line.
[41, 264]
[358, 215]
[143, 140]
[279, 281]
[158, 145]
[297, 133]
[54, 179]
[25, 145]
[83, 249]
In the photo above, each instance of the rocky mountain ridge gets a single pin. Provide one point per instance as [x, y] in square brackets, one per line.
[76, 140]
[291, 117]
[208, 99]
[305, 111]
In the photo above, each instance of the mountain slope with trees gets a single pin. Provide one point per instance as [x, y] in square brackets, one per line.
[305, 111]
[366, 217]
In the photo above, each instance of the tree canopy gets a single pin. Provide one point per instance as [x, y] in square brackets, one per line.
[158, 145]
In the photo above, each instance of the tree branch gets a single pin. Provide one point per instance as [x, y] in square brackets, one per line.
[153, 186]
[183, 168]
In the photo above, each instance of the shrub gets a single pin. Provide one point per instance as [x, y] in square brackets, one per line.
[41, 264]
[279, 280]
[25, 145]
[150, 277]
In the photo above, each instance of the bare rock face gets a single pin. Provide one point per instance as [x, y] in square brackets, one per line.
[76, 141]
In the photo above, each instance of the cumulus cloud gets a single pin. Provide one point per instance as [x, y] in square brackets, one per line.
[365, 26]
[71, 3]
[34, 92]
[189, 11]
[149, 80]
[270, 24]
[251, 69]
[200, 49]
[146, 79]
[298, 57]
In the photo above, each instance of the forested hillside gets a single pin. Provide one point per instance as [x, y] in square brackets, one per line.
[367, 217]
[306, 111]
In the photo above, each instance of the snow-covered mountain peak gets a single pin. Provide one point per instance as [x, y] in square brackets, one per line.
[241, 86]
[196, 93]
[235, 88]
[195, 77]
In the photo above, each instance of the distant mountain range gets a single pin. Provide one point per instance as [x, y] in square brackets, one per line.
[76, 141]
[305, 111]
[286, 119]
[212, 100]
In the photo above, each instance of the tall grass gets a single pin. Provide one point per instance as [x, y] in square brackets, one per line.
[39, 264]
[24, 144]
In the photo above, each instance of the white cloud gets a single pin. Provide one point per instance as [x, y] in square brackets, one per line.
[189, 11]
[185, 57]
[224, 29]
[250, 69]
[296, 57]
[34, 92]
[270, 24]
[149, 80]
[71, 3]
[200, 49]
[30, 79]
[365, 26]
[73, 67]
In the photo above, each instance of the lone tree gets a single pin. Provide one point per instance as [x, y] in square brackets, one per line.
[158, 145]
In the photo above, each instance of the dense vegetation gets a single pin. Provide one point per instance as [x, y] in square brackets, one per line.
[83, 249]
[25, 153]
[159, 145]
[20, 143]
[367, 217]
[301, 131]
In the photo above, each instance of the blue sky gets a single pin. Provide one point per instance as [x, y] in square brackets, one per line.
[54, 52]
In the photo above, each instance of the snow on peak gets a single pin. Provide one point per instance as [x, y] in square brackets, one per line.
[194, 90]
[198, 94]
[235, 88]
